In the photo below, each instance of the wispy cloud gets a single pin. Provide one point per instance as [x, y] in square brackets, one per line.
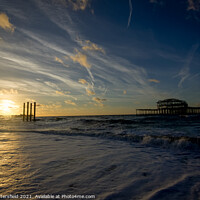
[60, 61]
[81, 59]
[24, 67]
[154, 80]
[30, 100]
[89, 92]
[70, 102]
[62, 93]
[153, 1]
[72, 97]
[52, 85]
[184, 73]
[82, 81]
[89, 87]
[90, 46]
[79, 4]
[49, 106]
[194, 5]
[5, 23]
[108, 75]
[99, 101]
[130, 14]
[6, 92]
[124, 92]
[159, 2]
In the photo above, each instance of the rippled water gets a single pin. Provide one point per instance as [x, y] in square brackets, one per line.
[111, 157]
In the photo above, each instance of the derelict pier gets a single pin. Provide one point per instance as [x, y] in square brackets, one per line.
[170, 107]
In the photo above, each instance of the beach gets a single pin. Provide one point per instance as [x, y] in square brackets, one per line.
[54, 162]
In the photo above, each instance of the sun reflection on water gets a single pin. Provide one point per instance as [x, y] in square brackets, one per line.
[12, 163]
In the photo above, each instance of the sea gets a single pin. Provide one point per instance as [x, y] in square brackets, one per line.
[124, 157]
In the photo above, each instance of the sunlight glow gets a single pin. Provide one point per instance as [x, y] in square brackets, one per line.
[8, 107]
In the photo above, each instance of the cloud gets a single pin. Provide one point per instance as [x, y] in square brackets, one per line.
[82, 81]
[184, 74]
[92, 47]
[52, 85]
[193, 5]
[89, 92]
[62, 93]
[130, 14]
[153, 1]
[35, 68]
[70, 102]
[89, 87]
[79, 4]
[185, 71]
[98, 100]
[109, 72]
[81, 59]
[49, 106]
[124, 92]
[154, 81]
[7, 92]
[5, 24]
[60, 61]
[159, 2]
[66, 57]
[30, 100]
[70, 96]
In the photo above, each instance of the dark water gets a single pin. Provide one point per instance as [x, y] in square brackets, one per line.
[111, 157]
[158, 130]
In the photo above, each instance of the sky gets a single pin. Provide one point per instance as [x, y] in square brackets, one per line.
[96, 57]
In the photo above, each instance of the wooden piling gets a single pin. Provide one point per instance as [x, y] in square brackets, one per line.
[34, 110]
[24, 112]
[27, 111]
[31, 112]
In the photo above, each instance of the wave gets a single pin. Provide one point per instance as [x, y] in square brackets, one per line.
[163, 141]
[158, 131]
[188, 183]
[123, 119]
[186, 187]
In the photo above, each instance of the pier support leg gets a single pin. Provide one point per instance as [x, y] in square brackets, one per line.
[31, 112]
[24, 112]
[27, 111]
[34, 110]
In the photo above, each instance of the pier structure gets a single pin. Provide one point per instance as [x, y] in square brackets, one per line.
[170, 107]
[28, 115]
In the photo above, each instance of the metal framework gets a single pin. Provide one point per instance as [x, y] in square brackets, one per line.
[172, 104]
[170, 107]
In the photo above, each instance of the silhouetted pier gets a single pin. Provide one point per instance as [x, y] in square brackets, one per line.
[170, 107]
[28, 116]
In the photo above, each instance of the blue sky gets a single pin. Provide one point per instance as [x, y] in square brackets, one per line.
[83, 57]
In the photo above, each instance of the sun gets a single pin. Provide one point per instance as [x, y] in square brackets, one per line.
[8, 107]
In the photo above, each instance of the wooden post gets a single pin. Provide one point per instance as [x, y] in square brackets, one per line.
[24, 112]
[31, 112]
[27, 111]
[34, 110]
